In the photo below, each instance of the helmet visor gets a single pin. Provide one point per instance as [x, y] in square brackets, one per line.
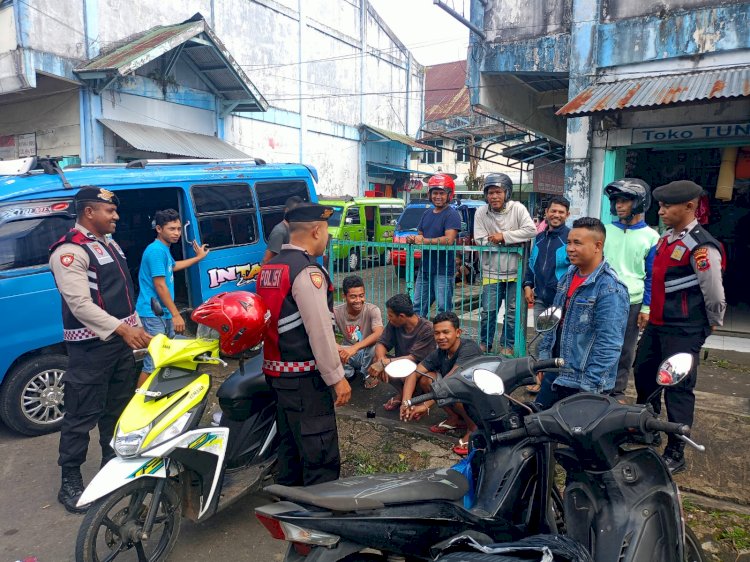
[206, 333]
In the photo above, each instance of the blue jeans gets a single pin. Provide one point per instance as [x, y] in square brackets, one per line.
[493, 296]
[433, 286]
[360, 361]
[155, 325]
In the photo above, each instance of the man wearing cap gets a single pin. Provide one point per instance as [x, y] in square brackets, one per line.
[100, 329]
[499, 223]
[300, 357]
[687, 303]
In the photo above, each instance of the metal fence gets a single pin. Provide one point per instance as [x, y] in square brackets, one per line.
[422, 271]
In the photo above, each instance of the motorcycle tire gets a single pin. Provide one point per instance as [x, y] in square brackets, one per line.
[693, 550]
[112, 523]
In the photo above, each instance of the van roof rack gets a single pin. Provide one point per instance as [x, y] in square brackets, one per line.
[144, 162]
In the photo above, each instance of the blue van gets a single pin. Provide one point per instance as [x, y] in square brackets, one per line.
[229, 205]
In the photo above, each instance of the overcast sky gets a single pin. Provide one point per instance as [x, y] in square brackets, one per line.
[431, 34]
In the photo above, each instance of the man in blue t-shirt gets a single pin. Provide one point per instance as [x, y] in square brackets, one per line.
[156, 279]
[440, 226]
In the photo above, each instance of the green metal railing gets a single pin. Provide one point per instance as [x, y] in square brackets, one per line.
[390, 268]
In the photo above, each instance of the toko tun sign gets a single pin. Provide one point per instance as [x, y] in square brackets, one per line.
[691, 133]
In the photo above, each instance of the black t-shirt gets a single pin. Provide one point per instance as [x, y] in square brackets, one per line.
[439, 362]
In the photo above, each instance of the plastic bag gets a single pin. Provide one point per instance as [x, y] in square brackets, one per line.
[464, 467]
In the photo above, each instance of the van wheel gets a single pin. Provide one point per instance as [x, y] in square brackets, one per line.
[31, 398]
[385, 257]
[352, 262]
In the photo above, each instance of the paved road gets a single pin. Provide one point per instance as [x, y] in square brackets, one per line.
[33, 523]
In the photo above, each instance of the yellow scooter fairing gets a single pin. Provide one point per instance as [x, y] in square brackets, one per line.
[181, 353]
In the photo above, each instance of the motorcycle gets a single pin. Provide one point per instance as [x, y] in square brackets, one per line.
[618, 504]
[406, 514]
[167, 465]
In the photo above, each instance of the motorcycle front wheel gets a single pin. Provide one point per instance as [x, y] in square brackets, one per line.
[111, 529]
[693, 550]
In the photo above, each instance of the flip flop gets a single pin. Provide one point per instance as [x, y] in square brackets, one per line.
[445, 427]
[462, 449]
[370, 382]
[533, 388]
[394, 403]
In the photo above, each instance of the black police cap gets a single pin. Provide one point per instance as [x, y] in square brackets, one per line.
[93, 194]
[309, 212]
[676, 192]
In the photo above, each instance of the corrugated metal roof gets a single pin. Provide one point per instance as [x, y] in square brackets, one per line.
[445, 93]
[660, 90]
[397, 137]
[194, 42]
[170, 141]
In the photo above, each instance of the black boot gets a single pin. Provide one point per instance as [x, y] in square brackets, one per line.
[71, 490]
[674, 458]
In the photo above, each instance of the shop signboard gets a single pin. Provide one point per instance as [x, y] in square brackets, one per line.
[7, 147]
[549, 177]
[26, 144]
[684, 133]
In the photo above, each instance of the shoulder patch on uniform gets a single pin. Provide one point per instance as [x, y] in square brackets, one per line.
[701, 259]
[67, 259]
[317, 279]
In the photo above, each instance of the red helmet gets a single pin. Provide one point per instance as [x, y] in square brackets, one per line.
[240, 318]
[441, 181]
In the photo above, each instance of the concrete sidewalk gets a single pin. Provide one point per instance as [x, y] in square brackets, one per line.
[722, 424]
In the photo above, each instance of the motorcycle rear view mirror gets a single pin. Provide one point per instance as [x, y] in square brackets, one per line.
[675, 369]
[488, 382]
[548, 319]
[400, 368]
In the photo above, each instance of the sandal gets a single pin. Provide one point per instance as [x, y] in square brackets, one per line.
[445, 427]
[394, 403]
[533, 388]
[462, 449]
[370, 382]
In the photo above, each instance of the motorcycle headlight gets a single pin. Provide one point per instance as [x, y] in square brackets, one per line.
[128, 444]
[173, 430]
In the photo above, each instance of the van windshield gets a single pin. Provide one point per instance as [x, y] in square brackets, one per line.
[410, 218]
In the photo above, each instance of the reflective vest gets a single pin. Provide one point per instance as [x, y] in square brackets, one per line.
[109, 282]
[676, 296]
[286, 348]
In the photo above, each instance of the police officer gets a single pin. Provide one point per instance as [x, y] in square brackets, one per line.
[100, 326]
[687, 303]
[300, 358]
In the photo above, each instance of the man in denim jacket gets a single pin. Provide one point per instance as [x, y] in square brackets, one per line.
[594, 305]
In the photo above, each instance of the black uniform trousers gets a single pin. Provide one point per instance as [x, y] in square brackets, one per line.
[657, 344]
[306, 422]
[99, 383]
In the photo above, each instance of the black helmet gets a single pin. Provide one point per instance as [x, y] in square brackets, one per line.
[630, 188]
[496, 179]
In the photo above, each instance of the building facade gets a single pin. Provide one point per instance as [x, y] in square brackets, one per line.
[651, 90]
[280, 80]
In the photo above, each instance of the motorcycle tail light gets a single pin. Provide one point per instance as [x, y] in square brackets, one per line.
[297, 534]
[272, 525]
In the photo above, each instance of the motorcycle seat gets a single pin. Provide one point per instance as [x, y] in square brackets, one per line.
[378, 490]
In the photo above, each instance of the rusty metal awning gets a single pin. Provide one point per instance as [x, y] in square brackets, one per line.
[171, 141]
[367, 131]
[192, 42]
[532, 150]
[640, 93]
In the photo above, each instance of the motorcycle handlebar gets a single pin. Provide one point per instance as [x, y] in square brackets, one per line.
[510, 435]
[653, 424]
[549, 364]
[420, 399]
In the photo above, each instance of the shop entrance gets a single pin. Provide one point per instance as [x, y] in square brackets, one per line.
[728, 221]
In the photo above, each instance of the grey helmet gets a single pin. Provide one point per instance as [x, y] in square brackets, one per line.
[499, 180]
[630, 188]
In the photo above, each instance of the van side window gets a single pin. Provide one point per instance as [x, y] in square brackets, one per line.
[271, 199]
[352, 215]
[226, 214]
[389, 214]
[25, 243]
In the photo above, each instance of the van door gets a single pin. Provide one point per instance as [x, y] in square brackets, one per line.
[227, 220]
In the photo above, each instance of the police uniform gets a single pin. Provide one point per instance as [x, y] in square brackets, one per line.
[687, 299]
[97, 295]
[300, 358]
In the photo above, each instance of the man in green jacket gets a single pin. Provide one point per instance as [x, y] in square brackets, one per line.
[630, 249]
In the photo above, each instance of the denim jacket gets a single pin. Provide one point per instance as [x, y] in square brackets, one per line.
[592, 332]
